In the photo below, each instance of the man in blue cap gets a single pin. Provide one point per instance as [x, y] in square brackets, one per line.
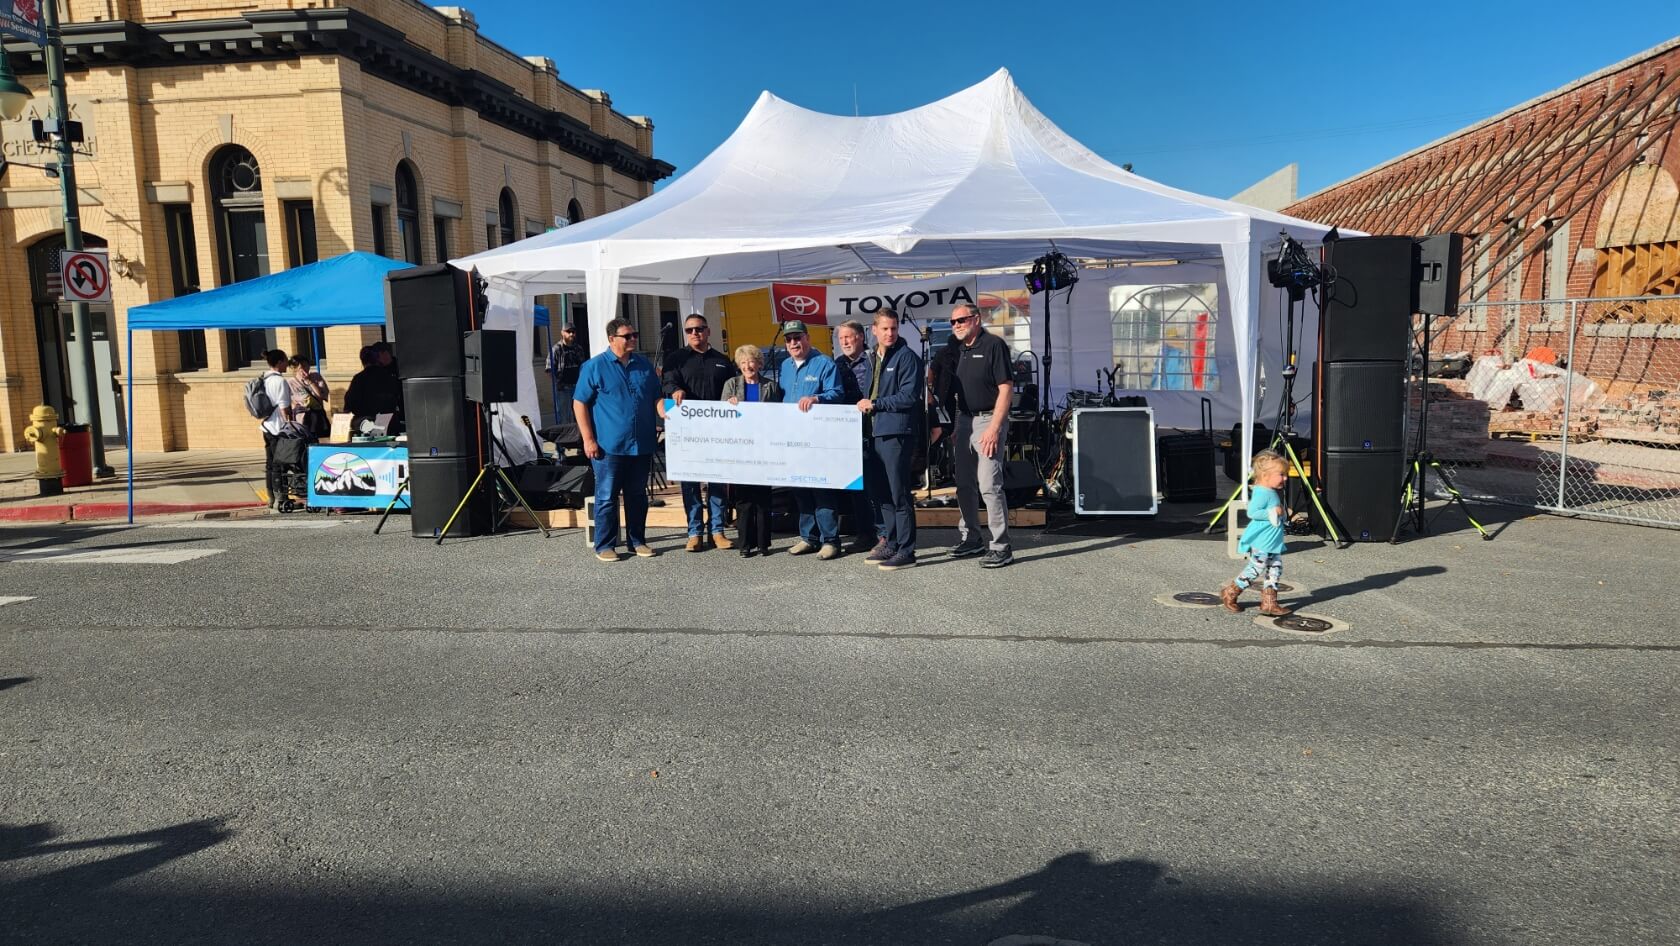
[810, 377]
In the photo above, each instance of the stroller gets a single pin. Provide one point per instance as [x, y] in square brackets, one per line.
[291, 461]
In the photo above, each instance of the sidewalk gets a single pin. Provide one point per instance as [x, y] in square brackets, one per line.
[164, 483]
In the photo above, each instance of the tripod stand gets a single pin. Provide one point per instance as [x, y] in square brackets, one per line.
[1282, 441]
[1421, 462]
[487, 416]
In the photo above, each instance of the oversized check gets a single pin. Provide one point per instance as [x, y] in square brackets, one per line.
[764, 444]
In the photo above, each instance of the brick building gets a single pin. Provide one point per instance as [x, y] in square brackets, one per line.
[228, 140]
[1569, 196]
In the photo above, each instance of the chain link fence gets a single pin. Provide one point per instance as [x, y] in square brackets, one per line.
[1569, 405]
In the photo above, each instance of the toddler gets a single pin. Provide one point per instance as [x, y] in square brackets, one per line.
[1262, 541]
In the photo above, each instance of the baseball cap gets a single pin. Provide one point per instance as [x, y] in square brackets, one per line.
[794, 327]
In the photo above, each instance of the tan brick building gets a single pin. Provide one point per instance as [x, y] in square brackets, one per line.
[230, 142]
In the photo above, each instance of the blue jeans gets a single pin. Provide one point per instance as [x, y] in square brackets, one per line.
[865, 512]
[818, 523]
[614, 474]
[697, 508]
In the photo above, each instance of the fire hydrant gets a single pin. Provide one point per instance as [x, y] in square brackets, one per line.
[43, 431]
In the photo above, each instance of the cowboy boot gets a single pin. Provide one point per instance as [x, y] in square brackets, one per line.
[1228, 596]
[1269, 604]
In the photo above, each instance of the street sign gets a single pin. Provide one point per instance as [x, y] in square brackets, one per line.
[87, 276]
[22, 18]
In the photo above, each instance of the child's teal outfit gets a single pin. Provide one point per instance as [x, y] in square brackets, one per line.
[1262, 541]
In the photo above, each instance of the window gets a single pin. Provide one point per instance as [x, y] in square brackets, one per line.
[507, 210]
[183, 274]
[574, 211]
[489, 236]
[408, 213]
[241, 240]
[300, 251]
[1554, 271]
[381, 223]
[1165, 337]
[440, 236]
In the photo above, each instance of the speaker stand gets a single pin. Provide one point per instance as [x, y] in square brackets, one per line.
[1280, 443]
[488, 418]
[1421, 461]
[401, 489]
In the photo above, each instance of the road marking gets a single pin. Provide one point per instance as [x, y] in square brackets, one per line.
[139, 556]
[248, 524]
[14, 599]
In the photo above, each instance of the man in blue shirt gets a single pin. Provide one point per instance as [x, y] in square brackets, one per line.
[810, 377]
[615, 400]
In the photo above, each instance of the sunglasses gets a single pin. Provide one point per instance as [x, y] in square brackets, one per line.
[696, 329]
[966, 318]
[629, 335]
[794, 336]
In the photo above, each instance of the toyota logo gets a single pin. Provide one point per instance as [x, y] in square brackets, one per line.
[800, 305]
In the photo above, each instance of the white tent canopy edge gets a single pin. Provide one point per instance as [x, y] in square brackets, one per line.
[978, 180]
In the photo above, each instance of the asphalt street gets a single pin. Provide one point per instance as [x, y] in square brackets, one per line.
[300, 732]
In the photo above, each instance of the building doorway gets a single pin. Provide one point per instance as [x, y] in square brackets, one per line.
[60, 353]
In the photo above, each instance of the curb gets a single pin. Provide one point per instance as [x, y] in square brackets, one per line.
[65, 512]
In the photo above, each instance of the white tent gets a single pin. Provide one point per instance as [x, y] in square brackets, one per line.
[979, 180]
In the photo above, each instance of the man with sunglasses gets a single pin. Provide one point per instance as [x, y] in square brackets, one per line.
[981, 383]
[616, 397]
[697, 372]
[810, 377]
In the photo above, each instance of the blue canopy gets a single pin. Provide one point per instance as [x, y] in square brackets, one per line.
[344, 290]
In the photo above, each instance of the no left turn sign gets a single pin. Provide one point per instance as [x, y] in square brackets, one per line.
[87, 276]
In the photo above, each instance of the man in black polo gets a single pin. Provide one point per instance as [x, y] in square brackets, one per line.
[982, 382]
[696, 372]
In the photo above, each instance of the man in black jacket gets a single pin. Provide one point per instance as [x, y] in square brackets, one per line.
[894, 409]
[697, 372]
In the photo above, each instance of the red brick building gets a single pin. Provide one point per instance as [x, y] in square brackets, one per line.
[1569, 196]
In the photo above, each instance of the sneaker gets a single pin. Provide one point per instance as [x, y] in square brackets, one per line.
[968, 547]
[695, 544]
[996, 559]
[881, 552]
[643, 551]
[802, 547]
[607, 556]
[904, 559]
[722, 541]
[829, 551]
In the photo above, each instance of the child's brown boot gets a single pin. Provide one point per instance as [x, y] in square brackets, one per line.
[1228, 596]
[1269, 604]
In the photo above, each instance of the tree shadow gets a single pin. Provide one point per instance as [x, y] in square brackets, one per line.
[34, 899]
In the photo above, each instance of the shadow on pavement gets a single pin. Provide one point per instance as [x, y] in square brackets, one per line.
[1074, 897]
[1371, 583]
[6, 683]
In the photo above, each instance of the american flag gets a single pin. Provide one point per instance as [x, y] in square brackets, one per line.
[55, 274]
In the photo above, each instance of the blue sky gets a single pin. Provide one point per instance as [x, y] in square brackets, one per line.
[1205, 96]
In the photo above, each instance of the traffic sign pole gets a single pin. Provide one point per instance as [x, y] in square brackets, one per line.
[73, 238]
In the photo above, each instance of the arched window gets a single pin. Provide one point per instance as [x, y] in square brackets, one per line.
[508, 213]
[574, 211]
[1165, 337]
[236, 195]
[408, 212]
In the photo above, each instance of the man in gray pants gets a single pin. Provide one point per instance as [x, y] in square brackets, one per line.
[982, 385]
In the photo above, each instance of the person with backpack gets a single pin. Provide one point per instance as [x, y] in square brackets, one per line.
[269, 398]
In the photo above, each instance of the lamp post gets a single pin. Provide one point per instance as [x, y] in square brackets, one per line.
[73, 229]
[14, 95]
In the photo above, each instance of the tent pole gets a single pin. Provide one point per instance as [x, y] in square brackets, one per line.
[128, 364]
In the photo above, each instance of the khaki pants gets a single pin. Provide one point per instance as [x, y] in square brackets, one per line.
[980, 477]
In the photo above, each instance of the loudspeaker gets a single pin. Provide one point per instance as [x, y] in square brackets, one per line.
[1114, 461]
[1364, 404]
[1368, 314]
[548, 486]
[1187, 471]
[1021, 482]
[441, 421]
[429, 311]
[1362, 490]
[1439, 260]
[436, 485]
[488, 357]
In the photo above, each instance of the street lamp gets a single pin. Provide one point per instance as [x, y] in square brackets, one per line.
[14, 95]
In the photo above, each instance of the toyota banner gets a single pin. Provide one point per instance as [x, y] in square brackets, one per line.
[919, 299]
[22, 18]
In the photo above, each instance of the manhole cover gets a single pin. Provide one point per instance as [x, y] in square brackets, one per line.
[1285, 588]
[1300, 623]
[1196, 597]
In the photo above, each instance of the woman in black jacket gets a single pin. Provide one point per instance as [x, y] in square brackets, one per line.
[752, 501]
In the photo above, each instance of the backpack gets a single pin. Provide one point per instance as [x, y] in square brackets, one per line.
[257, 400]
